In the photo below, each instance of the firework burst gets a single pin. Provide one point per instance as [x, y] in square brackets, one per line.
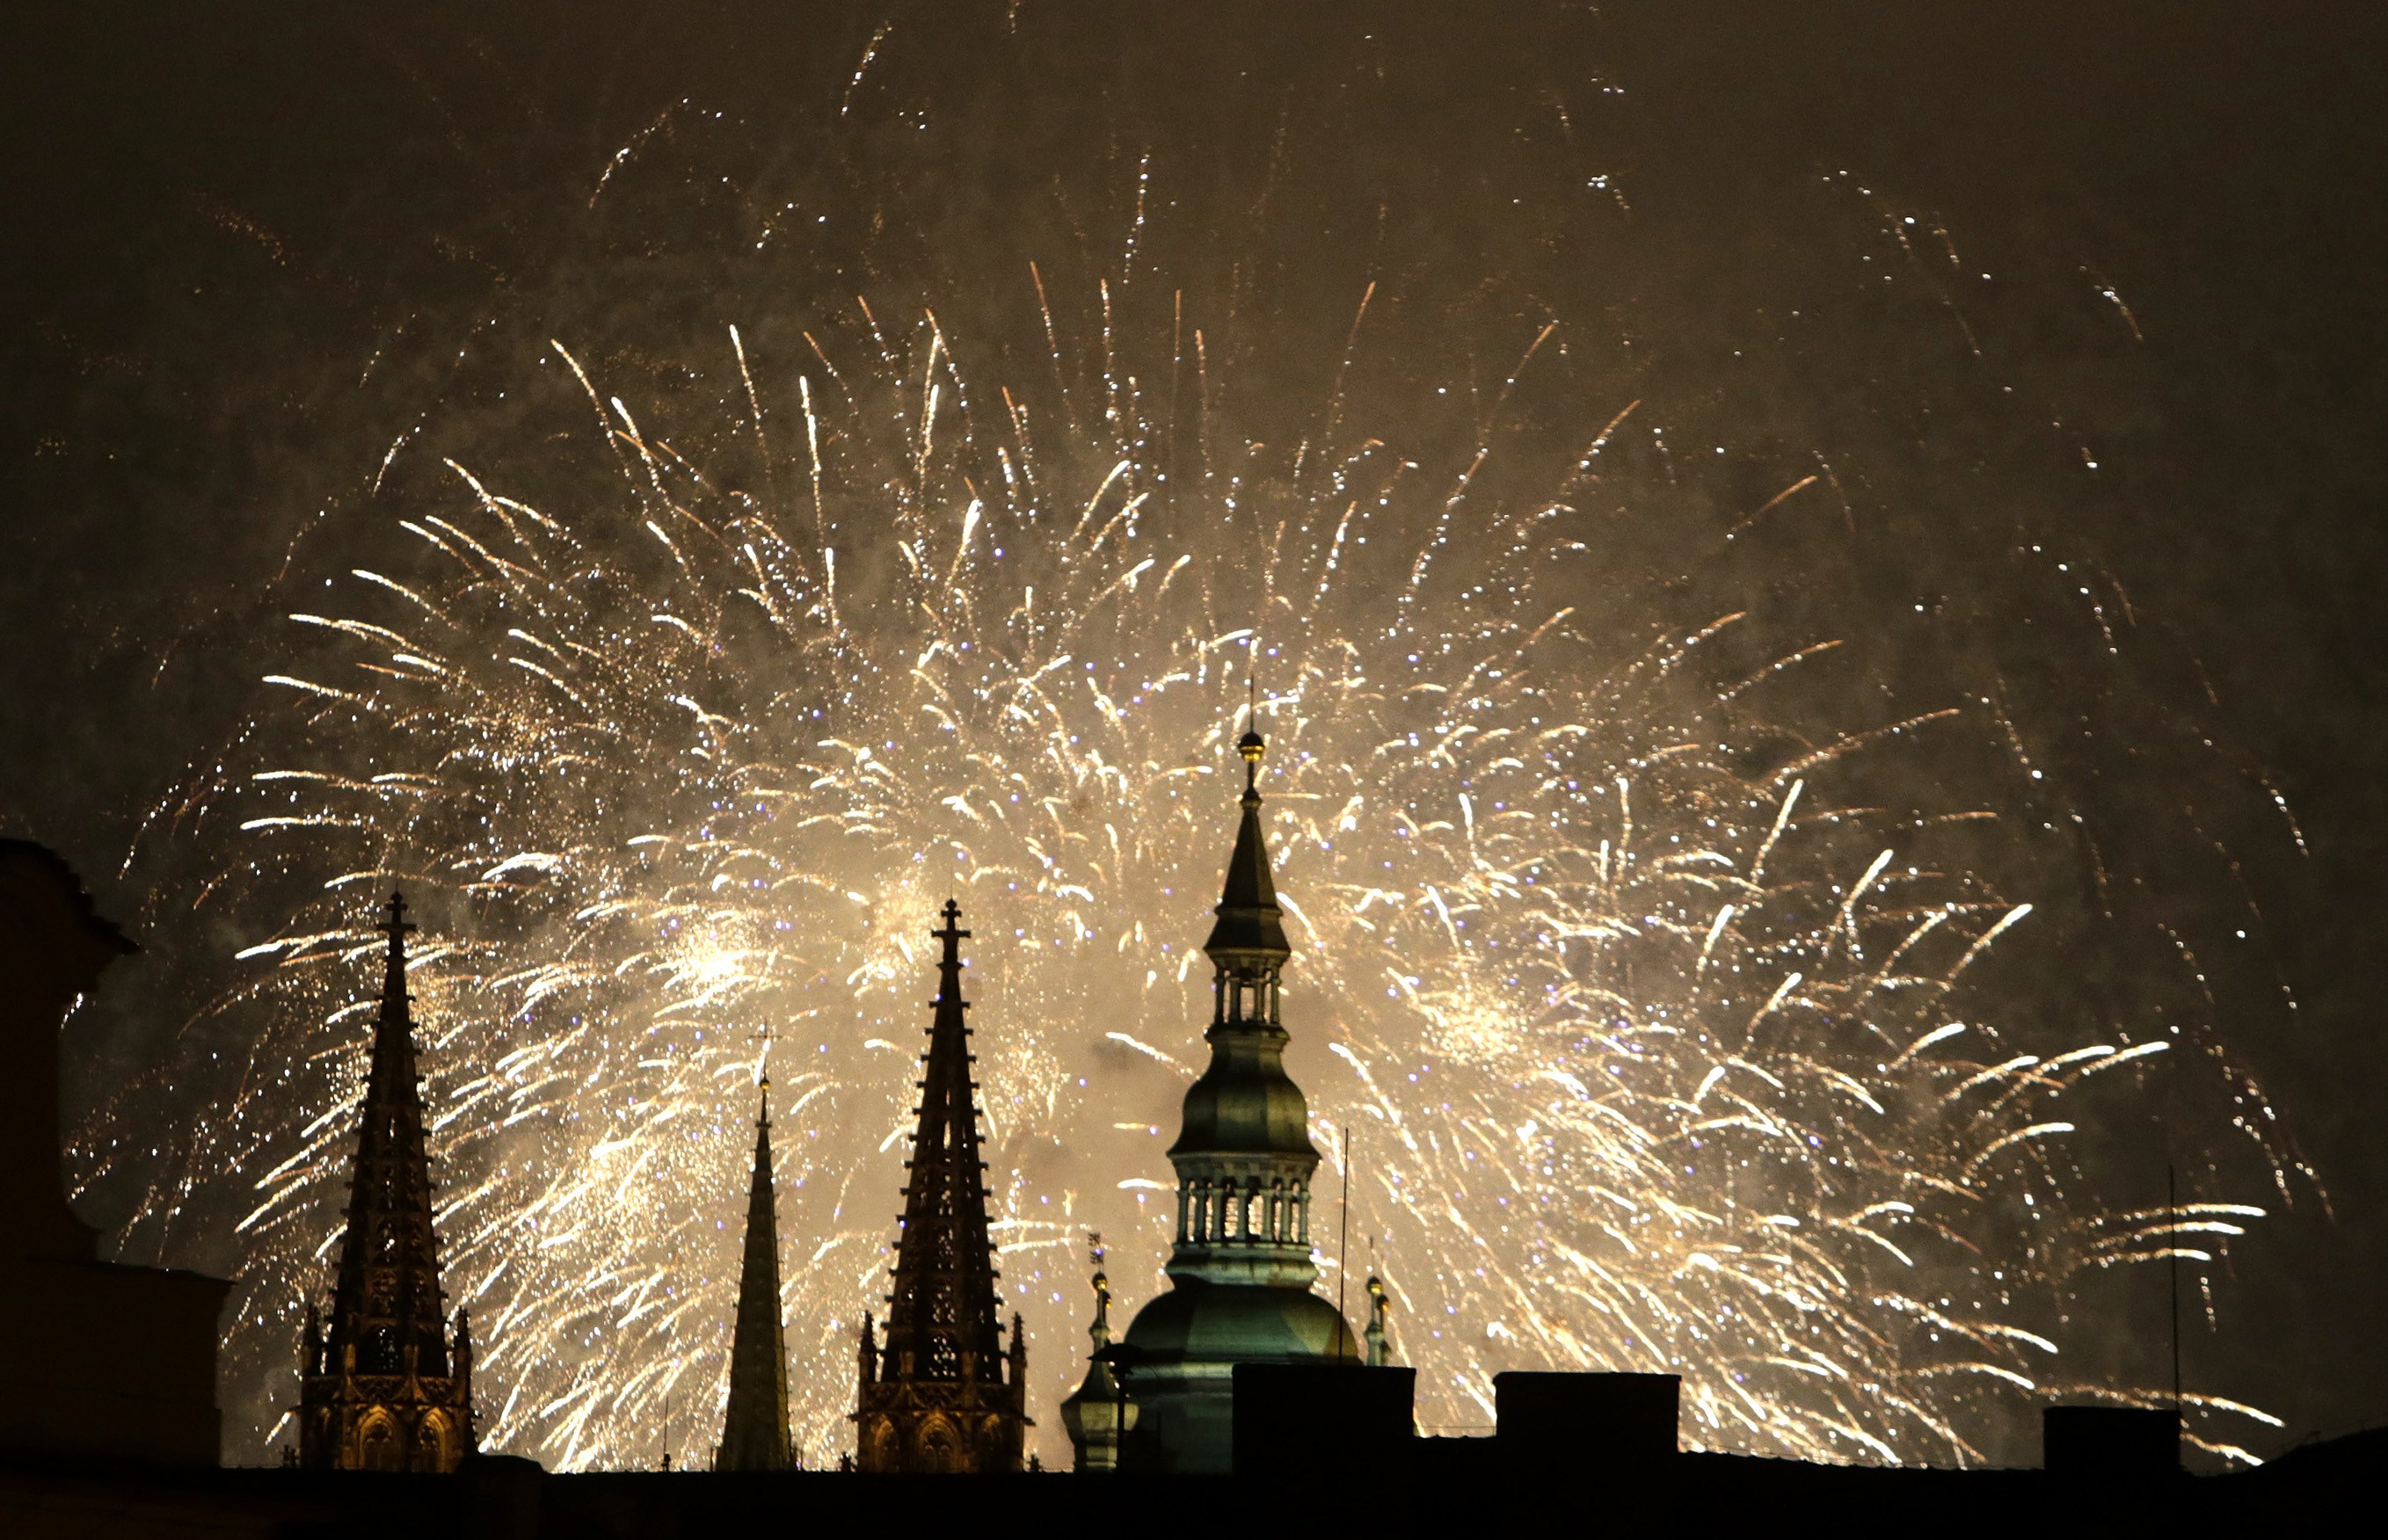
[1660, 1037]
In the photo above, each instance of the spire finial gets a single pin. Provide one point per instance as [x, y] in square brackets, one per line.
[953, 935]
[396, 928]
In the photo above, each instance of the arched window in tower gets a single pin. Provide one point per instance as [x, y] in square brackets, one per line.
[940, 1451]
[377, 1446]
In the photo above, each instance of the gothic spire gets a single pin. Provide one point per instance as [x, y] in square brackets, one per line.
[939, 1399]
[385, 1392]
[386, 1305]
[754, 1423]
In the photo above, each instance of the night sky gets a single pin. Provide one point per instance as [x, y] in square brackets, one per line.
[242, 243]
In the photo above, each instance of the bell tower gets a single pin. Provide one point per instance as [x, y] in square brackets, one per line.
[1240, 1270]
[387, 1387]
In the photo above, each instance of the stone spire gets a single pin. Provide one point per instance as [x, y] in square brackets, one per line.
[1240, 1270]
[754, 1423]
[388, 1390]
[938, 1398]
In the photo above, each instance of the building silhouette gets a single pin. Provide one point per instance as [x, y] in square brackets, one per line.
[97, 1360]
[387, 1387]
[941, 1395]
[755, 1422]
[1240, 1269]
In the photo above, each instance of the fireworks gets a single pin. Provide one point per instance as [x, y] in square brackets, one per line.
[1659, 1049]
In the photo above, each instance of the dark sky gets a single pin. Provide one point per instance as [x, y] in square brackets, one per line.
[211, 216]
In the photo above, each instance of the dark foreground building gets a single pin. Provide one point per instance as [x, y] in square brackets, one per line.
[1369, 1486]
[97, 1360]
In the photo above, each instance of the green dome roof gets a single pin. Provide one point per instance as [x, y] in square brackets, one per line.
[1234, 1324]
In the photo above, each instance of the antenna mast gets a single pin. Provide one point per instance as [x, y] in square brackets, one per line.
[2172, 1224]
[1344, 1236]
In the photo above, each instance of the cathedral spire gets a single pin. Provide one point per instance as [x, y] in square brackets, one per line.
[754, 1423]
[938, 1398]
[386, 1392]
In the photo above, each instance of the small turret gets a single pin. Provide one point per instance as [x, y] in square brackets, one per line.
[1380, 1347]
[459, 1352]
[1097, 1412]
[310, 1345]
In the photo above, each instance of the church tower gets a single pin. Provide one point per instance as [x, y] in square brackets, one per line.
[1241, 1272]
[942, 1393]
[754, 1424]
[388, 1388]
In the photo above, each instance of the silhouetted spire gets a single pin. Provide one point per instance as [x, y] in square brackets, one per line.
[385, 1392]
[938, 1399]
[754, 1423]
